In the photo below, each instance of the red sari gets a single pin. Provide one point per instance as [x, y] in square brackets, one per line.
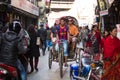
[111, 59]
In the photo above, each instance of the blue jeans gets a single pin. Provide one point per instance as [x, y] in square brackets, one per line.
[21, 70]
[65, 46]
[48, 43]
[43, 46]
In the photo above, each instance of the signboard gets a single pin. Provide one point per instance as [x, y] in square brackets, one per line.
[103, 7]
[104, 12]
[26, 6]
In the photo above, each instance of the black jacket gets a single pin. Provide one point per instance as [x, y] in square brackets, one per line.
[42, 33]
[33, 48]
[11, 44]
[0, 39]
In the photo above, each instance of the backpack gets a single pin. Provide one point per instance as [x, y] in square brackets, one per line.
[24, 39]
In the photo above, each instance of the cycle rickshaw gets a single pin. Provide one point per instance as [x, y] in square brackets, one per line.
[53, 56]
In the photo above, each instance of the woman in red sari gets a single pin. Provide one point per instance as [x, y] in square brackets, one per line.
[112, 56]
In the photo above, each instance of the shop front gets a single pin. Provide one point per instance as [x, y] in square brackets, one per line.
[27, 12]
[4, 11]
[23, 10]
[103, 6]
[109, 11]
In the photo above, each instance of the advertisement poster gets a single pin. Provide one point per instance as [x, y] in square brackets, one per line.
[103, 6]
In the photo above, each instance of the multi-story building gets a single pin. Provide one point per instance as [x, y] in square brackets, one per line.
[27, 11]
[56, 9]
[82, 10]
[61, 5]
[47, 6]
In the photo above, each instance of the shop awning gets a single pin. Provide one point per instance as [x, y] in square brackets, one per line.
[23, 12]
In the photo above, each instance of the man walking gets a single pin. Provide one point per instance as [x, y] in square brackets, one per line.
[42, 32]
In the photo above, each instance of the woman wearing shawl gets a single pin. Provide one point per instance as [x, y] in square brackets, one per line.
[112, 56]
[93, 45]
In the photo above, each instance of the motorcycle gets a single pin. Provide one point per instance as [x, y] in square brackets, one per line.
[97, 70]
[86, 69]
[8, 72]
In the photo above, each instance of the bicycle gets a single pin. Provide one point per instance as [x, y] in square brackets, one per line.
[61, 57]
[57, 56]
[52, 55]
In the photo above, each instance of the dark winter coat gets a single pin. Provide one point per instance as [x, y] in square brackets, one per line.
[0, 39]
[11, 45]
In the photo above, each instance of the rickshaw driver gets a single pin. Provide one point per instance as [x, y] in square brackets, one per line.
[63, 35]
[73, 31]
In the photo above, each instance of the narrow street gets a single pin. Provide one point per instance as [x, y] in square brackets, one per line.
[92, 27]
[45, 73]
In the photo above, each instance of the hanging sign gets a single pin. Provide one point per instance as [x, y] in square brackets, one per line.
[103, 7]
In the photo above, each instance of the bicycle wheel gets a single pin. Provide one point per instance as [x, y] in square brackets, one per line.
[61, 63]
[50, 59]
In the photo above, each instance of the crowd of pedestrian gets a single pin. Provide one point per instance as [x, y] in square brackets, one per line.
[23, 46]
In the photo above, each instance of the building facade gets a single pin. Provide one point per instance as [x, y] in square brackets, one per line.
[27, 11]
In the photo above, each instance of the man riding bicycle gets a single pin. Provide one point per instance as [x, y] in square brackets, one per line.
[63, 35]
[54, 35]
[73, 31]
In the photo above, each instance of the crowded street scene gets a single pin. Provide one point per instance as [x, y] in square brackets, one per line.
[59, 39]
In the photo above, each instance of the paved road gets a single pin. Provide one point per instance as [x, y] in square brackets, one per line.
[45, 73]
